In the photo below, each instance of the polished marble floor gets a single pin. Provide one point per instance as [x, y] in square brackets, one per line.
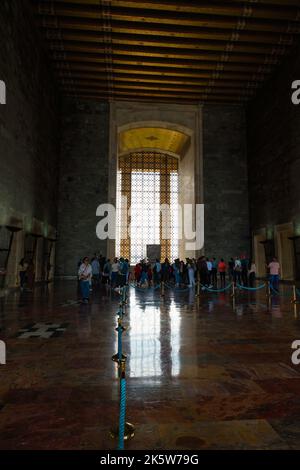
[202, 373]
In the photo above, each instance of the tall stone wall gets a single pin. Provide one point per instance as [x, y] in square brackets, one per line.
[225, 183]
[273, 124]
[83, 181]
[29, 123]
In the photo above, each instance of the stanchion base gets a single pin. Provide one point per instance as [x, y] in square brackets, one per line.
[129, 432]
[115, 357]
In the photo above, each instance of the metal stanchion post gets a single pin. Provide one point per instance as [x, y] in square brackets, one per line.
[119, 355]
[268, 293]
[294, 298]
[233, 295]
[233, 291]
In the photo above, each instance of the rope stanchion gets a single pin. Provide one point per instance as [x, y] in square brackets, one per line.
[268, 291]
[125, 430]
[233, 294]
[294, 298]
[120, 329]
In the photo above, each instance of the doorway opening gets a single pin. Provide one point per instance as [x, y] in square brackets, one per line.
[259, 253]
[285, 250]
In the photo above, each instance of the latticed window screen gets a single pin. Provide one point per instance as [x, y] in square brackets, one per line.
[149, 182]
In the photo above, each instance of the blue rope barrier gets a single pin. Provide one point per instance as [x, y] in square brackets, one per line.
[279, 293]
[181, 289]
[217, 290]
[122, 416]
[251, 288]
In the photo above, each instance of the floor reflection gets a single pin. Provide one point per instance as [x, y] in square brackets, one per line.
[208, 370]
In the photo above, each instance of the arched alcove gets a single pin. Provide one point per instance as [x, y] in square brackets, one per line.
[170, 130]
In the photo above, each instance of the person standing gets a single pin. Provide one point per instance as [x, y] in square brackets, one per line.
[114, 272]
[144, 274]
[245, 269]
[214, 272]
[274, 268]
[231, 269]
[237, 271]
[209, 271]
[85, 275]
[222, 271]
[156, 272]
[95, 270]
[22, 273]
[137, 273]
[123, 272]
[30, 272]
[106, 272]
[176, 268]
[191, 273]
[166, 271]
[203, 271]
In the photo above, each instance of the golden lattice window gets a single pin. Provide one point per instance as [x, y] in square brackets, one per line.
[148, 180]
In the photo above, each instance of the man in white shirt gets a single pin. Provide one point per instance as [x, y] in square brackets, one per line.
[209, 269]
[85, 276]
[274, 268]
[95, 270]
[237, 271]
[115, 268]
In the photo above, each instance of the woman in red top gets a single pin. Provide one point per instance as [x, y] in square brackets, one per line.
[137, 273]
[222, 270]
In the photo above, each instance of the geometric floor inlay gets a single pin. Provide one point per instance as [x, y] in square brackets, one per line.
[42, 330]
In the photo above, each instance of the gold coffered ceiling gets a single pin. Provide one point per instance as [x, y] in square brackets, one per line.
[167, 50]
[153, 138]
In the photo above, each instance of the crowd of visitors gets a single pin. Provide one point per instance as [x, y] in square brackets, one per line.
[209, 271]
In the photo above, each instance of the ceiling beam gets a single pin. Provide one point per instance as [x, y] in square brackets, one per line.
[135, 95]
[160, 52]
[138, 61]
[66, 76]
[98, 84]
[208, 30]
[100, 37]
[211, 20]
[164, 71]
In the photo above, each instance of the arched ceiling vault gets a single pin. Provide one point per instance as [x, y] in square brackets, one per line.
[162, 139]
